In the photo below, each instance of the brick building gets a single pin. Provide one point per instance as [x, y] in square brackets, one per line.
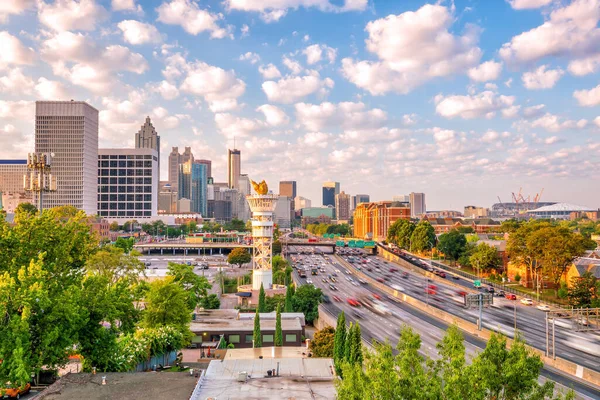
[372, 220]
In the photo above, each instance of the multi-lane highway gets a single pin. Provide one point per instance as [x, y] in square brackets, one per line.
[383, 318]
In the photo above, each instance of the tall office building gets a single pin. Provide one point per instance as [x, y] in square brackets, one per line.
[174, 161]
[193, 182]
[208, 164]
[69, 130]
[148, 138]
[330, 190]
[288, 189]
[360, 198]
[342, 206]
[127, 184]
[186, 155]
[417, 204]
[11, 175]
[301, 202]
[234, 165]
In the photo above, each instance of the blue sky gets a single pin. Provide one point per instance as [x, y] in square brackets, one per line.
[464, 100]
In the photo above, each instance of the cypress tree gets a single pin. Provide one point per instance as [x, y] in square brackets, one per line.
[348, 343]
[256, 336]
[356, 356]
[338, 342]
[278, 331]
[262, 301]
[289, 293]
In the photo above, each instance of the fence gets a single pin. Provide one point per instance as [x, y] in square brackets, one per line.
[156, 361]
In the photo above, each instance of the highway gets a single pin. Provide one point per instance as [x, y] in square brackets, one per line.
[384, 323]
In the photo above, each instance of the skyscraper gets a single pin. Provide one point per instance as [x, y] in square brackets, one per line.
[417, 204]
[342, 206]
[330, 189]
[208, 164]
[287, 188]
[174, 161]
[187, 155]
[234, 168]
[360, 198]
[148, 138]
[193, 185]
[69, 130]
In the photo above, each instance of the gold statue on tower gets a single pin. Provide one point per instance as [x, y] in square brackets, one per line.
[260, 188]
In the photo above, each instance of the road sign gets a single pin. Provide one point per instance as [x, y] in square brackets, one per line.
[340, 243]
[472, 300]
[351, 243]
[477, 283]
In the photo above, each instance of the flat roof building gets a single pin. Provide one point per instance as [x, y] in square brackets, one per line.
[11, 175]
[558, 211]
[372, 220]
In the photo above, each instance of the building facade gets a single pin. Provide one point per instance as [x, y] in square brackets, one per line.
[443, 214]
[208, 164]
[360, 198]
[288, 189]
[69, 130]
[372, 220]
[475, 212]
[301, 202]
[281, 215]
[342, 206]
[417, 204]
[127, 184]
[174, 161]
[193, 181]
[11, 175]
[234, 165]
[330, 189]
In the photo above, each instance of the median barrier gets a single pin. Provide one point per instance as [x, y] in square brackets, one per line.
[568, 367]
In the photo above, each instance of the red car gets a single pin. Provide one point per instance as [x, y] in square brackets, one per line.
[510, 296]
[378, 297]
[353, 302]
[380, 280]
[337, 299]
[393, 269]
[461, 293]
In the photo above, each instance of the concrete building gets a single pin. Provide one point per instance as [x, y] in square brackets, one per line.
[174, 160]
[443, 214]
[127, 184]
[148, 138]
[558, 211]
[446, 224]
[208, 164]
[372, 220]
[10, 201]
[475, 212]
[342, 206]
[288, 189]
[282, 216]
[330, 189]
[301, 202]
[11, 175]
[69, 129]
[360, 198]
[403, 198]
[317, 211]
[234, 165]
[167, 198]
[417, 204]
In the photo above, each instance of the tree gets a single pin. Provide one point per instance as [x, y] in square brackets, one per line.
[272, 302]
[484, 258]
[196, 286]
[239, 256]
[289, 294]
[306, 300]
[235, 225]
[339, 344]
[584, 291]
[278, 331]
[521, 249]
[400, 233]
[348, 344]
[210, 302]
[167, 303]
[323, 343]
[113, 263]
[452, 244]
[125, 244]
[114, 226]
[276, 247]
[256, 335]
[423, 237]
[262, 304]
[26, 208]
[355, 356]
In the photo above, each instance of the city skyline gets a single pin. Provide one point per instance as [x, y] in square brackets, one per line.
[488, 109]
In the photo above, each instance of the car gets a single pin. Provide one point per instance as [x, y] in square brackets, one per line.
[380, 280]
[500, 293]
[461, 293]
[354, 283]
[309, 281]
[490, 290]
[543, 307]
[326, 299]
[393, 269]
[455, 277]
[332, 287]
[353, 302]
[405, 275]
[362, 281]
[370, 269]
[375, 295]
[510, 296]
[15, 393]
[336, 298]
[583, 321]
[442, 274]
[324, 280]
[398, 288]
[527, 302]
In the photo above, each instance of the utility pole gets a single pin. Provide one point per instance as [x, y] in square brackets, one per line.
[39, 178]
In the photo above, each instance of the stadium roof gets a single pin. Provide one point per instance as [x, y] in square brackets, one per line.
[562, 207]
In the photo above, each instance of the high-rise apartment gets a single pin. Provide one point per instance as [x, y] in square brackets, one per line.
[69, 130]
[127, 184]
[360, 198]
[208, 164]
[234, 165]
[186, 155]
[342, 206]
[417, 204]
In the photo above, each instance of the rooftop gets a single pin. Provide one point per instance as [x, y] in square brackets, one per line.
[13, 162]
[124, 386]
[566, 207]
[244, 325]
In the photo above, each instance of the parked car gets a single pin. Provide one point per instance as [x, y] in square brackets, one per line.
[527, 302]
[16, 392]
[511, 296]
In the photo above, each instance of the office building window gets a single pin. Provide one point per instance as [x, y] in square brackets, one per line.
[290, 338]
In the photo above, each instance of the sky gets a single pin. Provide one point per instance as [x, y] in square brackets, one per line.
[466, 101]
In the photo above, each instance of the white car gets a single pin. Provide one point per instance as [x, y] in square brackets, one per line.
[398, 288]
[527, 302]
[543, 307]
[308, 280]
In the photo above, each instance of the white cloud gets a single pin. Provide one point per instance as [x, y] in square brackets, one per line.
[167, 90]
[490, 86]
[487, 71]
[553, 123]
[51, 90]
[508, 82]
[315, 139]
[20, 110]
[16, 83]
[528, 4]
[413, 48]
[274, 10]
[409, 119]
[588, 98]
[484, 104]
[306, 38]
[269, 71]
[245, 29]
[292, 65]
[231, 126]
[348, 115]
[597, 121]
[192, 19]
[126, 5]
[274, 116]
[585, 66]
[571, 31]
[13, 7]
[314, 53]
[14, 141]
[66, 15]
[136, 32]
[291, 89]
[220, 88]
[541, 78]
[253, 58]
[534, 111]
[14, 52]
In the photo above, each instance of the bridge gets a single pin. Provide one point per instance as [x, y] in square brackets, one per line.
[189, 248]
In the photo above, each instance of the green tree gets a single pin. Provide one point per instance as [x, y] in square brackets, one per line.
[239, 256]
[262, 303]
[584, 291]
[113, 263]
[452, 244]
[114, 226]
[423, 237]
[196, 286]
[339, 343]
[276, 247]
[210, 302]
[289, 295]
[278, 331]
[272, 302]
[400, 233]
[450, 366]
[256, 334]
[522, 249]
[125, 244]
[484, 258]
[323, 343]
[167, 304]
[306, 300]
[356, 355]
[235, 225]
[348, 342]
[26, 208]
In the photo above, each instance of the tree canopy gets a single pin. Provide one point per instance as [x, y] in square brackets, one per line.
[196, 286]
[452, 244]
[239, 256]
[306, 300]
[485, 258]
[400, 233]
[423, 237]
[323, 343]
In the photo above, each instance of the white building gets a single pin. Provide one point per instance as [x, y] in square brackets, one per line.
[417, 204]
[301, 202]
[558, 211]
[281, 215]
[69, 130]
[11, 175]
[127, 184]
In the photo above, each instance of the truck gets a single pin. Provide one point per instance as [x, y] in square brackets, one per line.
[314, 271]
[302, 273]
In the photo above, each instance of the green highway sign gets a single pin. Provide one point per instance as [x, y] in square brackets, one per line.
[477, 283]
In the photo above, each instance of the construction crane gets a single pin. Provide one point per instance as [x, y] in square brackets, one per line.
[538, 197]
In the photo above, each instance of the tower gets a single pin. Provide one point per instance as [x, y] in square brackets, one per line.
[233, 168]
[174, 161]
